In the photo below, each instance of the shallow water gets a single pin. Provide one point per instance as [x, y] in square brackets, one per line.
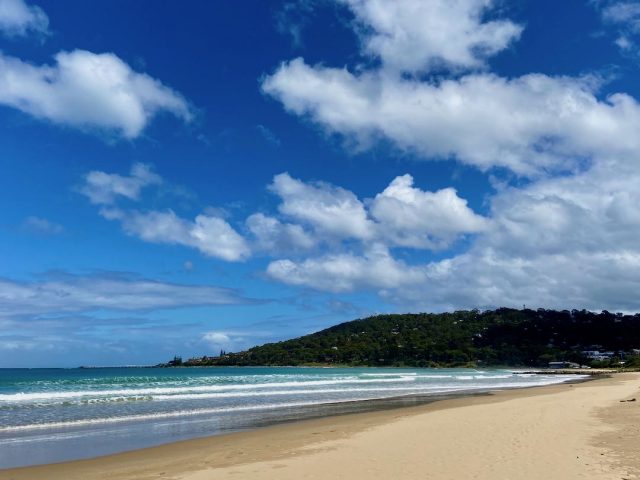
[52, 415]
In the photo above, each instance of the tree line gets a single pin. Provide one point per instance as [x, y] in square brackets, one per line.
[502, 337]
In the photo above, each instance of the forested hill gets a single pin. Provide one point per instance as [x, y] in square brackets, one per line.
[498, 337]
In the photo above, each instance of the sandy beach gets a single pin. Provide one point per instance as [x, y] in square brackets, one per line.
[571, 431]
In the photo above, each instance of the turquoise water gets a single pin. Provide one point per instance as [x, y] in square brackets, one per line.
[49, 415]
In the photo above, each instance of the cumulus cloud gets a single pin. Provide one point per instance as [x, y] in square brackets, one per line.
[414, 35]
[274, 236]
[63, 292]
[208, 232]
[564, 241]
[328, 209]
[531, 124]
[19, 19]
[234, 340]
[314, 214]
[104, 188]
[88, 91]
[346, 272]
[560, 242]
[211, 235]
[216, 338]
[401, 215]
[411, 217]
[600, 280]
[222, 340]
[566, 238]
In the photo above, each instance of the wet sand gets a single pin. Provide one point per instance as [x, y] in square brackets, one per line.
[577, 431]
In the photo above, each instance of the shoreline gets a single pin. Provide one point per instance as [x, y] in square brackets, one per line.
[57, 442]
[293, 441]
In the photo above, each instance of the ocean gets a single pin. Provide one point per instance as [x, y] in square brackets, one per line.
[54, 415]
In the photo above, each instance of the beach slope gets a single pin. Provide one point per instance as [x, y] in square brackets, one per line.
[581, 431]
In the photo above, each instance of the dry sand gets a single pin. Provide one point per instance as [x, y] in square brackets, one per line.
[564, 432]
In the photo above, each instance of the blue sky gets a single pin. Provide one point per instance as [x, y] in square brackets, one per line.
[185, 178]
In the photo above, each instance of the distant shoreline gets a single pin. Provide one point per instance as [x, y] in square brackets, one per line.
[520, 369]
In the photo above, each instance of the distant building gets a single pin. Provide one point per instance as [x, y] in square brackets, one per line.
[563, 365]
[598, 355]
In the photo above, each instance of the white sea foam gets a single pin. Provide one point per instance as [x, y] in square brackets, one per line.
[251, 389]
[347, 395]
[187, 413]
[29, 397]
[150, 416]
[69, 407]
[265, 393]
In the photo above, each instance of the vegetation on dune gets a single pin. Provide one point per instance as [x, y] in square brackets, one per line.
[463, 338]
[632, 362]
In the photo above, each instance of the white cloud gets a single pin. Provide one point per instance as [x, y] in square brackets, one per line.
[414, 35]
[216, 338]
[529, 124]
[208, 232]
[565, 242]
[321, 214]
[625, 16]
[328, 209]
[347, 272]
[88, 91]
[233, 340]
[272, 235]
[211, 235]
[411, 217]
[594, 211]
[625, 12]
[624, 43]
[105, 188]
[41, 226]
[487, 278]
[82, 293]
[19, 19]
[566, 238]
[401, 215]
[532, 125]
